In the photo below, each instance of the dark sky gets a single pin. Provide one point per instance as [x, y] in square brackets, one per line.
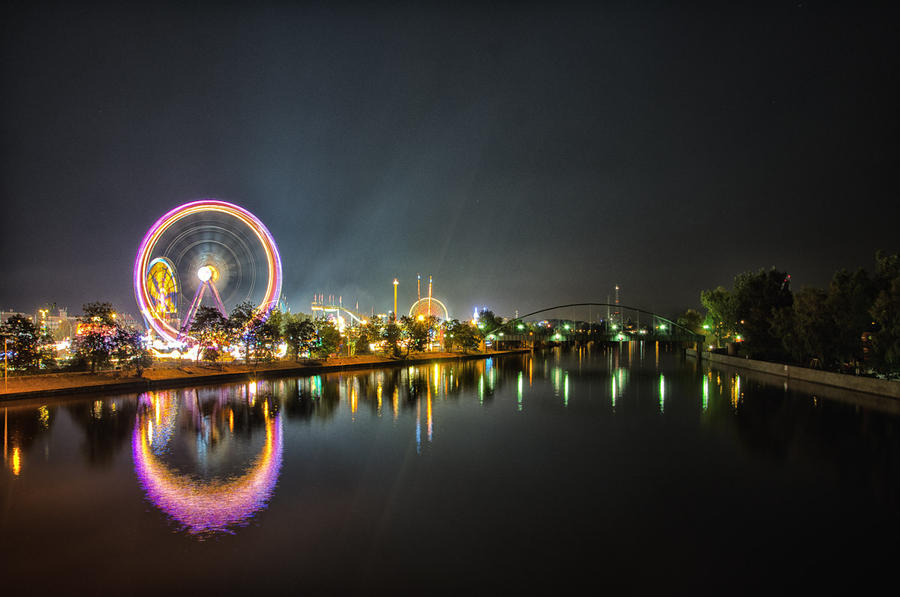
[524, 154]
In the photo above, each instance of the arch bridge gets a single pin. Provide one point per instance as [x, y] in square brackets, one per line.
[601, 322]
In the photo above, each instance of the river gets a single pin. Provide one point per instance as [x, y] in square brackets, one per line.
[629, 470]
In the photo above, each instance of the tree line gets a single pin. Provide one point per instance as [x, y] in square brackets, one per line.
[853, 324]
[258, 333]
[102, 340]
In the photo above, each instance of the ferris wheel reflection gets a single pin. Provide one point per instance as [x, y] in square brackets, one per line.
[202, 503]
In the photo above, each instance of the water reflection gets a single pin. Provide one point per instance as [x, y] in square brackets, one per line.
[210, 458]
[106, 424]
[200, 502]
[21, 428]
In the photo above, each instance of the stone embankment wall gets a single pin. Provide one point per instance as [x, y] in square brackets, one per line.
[869, 385]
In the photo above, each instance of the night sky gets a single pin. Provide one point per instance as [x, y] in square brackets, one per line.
[525, 155]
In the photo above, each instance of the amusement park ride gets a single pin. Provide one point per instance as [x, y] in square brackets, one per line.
[225, 250]
[427, 306]
[219, 252]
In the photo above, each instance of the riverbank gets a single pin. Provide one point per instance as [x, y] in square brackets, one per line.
[869, 385]
[59, 384]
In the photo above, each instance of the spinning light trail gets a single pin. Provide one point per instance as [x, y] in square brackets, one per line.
[156, 318]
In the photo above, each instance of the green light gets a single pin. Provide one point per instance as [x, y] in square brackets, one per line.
[519, 390]
[705, 393]
[520, 326]
[662, 393]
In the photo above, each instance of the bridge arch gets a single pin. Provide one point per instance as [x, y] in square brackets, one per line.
[690, 335]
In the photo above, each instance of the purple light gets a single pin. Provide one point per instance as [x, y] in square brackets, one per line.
[214, 506]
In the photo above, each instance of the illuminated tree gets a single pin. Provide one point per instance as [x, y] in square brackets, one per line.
[22, 341]
[489, 322]
[298, 332]
[210, 329]
[461, 334]
[240, 327]
[97, 336]
[360, 337]
[268, 333]
[130, 352]
[720, 318]
[419, 330]
[329, 338]
[99, 313]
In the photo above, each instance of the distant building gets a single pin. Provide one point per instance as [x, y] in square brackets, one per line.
[4, 315]
[52, 321]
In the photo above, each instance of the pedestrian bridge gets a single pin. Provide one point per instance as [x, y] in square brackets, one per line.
[584, 322]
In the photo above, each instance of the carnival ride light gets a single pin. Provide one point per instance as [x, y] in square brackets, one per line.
[150, 308]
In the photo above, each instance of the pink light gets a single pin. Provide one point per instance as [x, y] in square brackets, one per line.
[141, 293]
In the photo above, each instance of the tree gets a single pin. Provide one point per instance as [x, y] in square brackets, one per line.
[489, 322]
[850, 296]
[329, 338]
[101, 337]
[360, 338]
[99, 313]
[757, 297]
[691, 320]
[721, 320]
[298, 332]
[374, 330]
[23, 342]
[240, 327]
[885, 312]
[392, 334]
[419, 330]
[461, 334]
[97, 335]
[210, 328]
[130, 352]
[268, 333]
[807, 330]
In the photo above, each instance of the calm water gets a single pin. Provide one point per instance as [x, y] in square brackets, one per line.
[632, 471]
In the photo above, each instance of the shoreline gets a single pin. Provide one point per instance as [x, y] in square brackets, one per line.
[63, 384]
[867, 385]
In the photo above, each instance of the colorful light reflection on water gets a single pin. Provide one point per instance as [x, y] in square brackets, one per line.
[592, 466]
[203, 506]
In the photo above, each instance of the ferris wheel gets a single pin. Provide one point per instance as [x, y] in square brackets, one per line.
[204, 250]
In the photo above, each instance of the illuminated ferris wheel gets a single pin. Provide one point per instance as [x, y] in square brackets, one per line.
[429, 307]
[204, 250]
